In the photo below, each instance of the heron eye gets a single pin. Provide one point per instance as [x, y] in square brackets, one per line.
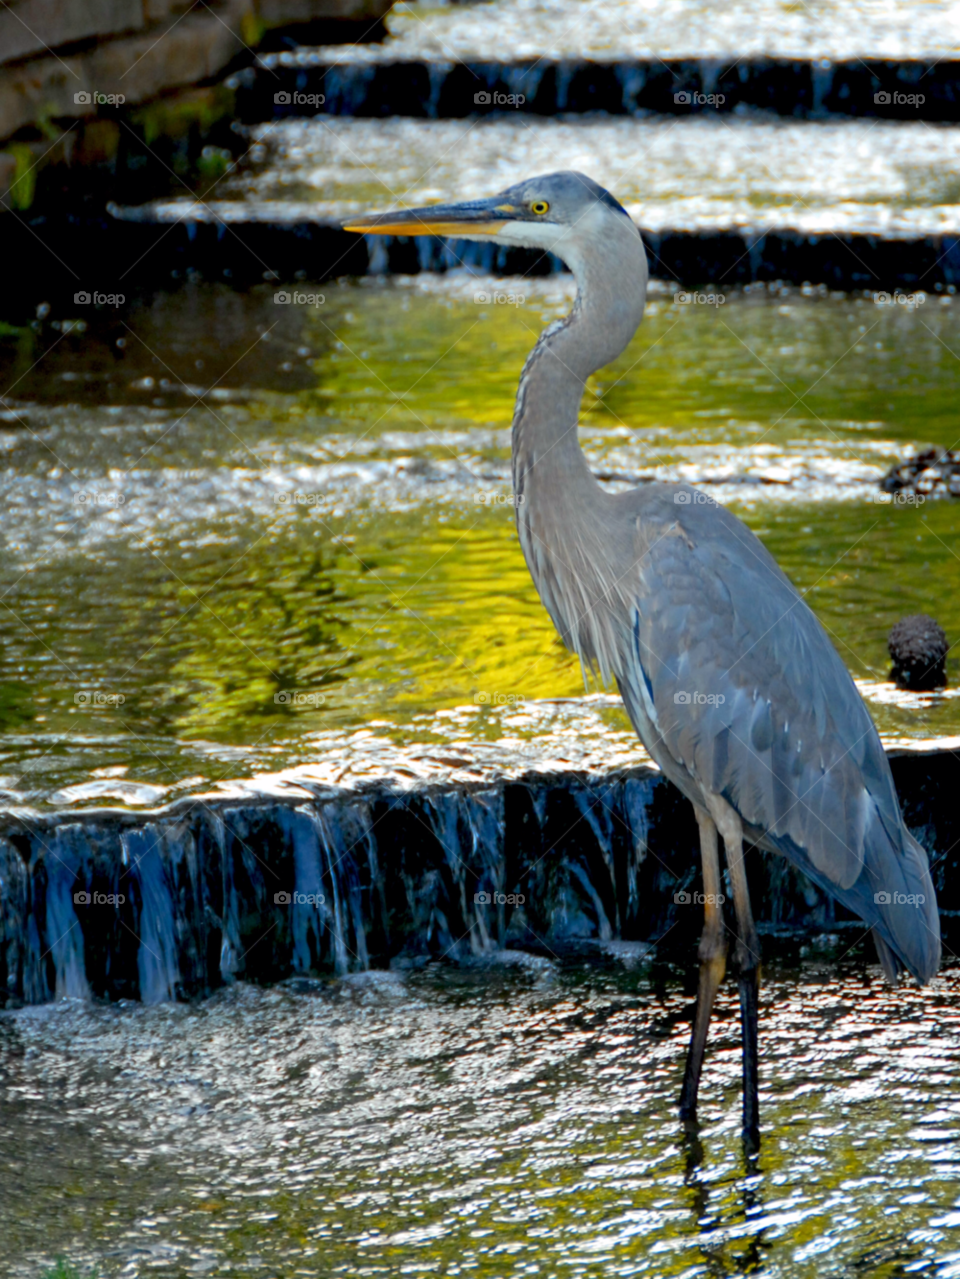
[539, 206]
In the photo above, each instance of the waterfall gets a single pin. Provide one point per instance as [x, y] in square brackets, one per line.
[172, 904]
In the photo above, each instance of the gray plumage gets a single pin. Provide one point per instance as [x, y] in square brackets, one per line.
[673, 596]
[729, 679]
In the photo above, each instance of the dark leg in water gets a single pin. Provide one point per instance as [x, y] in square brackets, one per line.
[747, 959]
[713, 962]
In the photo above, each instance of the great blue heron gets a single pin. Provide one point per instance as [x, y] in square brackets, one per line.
[728, 678]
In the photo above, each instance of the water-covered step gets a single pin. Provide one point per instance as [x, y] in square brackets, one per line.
[330, 879]
[854, 204]
[865, 59]
[756, 175]
[381, 82]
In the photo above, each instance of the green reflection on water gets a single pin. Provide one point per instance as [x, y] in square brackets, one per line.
[404, 595]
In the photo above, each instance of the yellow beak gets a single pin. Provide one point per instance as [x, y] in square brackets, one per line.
[473, 217]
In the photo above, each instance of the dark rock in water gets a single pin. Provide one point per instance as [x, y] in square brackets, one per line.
[932, 473]
[918, 647]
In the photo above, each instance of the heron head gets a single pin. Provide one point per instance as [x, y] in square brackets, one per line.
[557, 212]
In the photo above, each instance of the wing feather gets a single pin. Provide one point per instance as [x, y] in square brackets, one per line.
[750, 697]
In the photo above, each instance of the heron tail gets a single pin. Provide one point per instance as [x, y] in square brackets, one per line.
[907, 923]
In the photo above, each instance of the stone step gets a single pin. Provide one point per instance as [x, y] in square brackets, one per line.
[380, 80]
[674, 56]
[99, 903]
[129, 257]
[850, 204]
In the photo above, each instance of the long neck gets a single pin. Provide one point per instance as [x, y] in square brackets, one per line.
[562, 513]
[612, 280]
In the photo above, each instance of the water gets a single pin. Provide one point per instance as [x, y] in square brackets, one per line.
[887, 178]
[331, 519]
[825, 29]
[500, 1122]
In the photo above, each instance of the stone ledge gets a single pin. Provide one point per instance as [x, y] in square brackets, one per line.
[163, 55]
[174, 903]
[29, 28]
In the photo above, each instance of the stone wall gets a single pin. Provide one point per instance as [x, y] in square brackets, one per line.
[66, 60]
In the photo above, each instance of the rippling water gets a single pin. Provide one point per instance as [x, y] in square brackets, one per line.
[670, 29]
[888, 178]
[268, 526]
[508, 1121]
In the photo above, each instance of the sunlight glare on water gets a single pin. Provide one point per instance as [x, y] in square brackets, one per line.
[483, 1123]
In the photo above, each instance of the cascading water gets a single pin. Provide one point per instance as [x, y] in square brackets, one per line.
[174, 904]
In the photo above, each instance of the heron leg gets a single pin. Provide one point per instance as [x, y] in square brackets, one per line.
[747, 959]
[713, 962]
